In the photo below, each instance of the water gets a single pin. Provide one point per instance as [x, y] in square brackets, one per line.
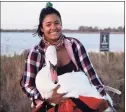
[17, 42]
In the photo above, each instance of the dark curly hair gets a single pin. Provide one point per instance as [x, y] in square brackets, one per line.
[44, 12]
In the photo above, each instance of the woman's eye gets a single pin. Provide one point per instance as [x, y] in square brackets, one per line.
[57, 23]
[48, 25]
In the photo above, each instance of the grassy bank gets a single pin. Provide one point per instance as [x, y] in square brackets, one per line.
[109, 68]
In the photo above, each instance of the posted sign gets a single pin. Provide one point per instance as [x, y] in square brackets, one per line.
[104, 41]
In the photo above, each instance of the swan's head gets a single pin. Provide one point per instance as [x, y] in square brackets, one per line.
[51, 61]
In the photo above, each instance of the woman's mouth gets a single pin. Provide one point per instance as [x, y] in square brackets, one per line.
[54, 32]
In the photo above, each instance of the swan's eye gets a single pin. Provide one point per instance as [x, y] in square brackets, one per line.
[52, 66]
[55, 67]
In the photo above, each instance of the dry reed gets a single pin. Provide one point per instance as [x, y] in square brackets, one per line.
[111, 71]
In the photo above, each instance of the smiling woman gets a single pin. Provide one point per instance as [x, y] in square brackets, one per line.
[51, 27]
[71, 56]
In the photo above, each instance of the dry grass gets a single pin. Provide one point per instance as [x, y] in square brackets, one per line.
[110, 69]
[12, 98]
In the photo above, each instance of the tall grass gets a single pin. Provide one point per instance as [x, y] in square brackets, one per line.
[12, 98]
[109, 67]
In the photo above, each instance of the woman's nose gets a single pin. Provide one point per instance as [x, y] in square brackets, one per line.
[53, 27]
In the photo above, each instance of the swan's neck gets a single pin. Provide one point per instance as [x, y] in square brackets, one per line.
[47, 63]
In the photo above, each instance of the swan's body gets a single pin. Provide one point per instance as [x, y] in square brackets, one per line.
[74, 83]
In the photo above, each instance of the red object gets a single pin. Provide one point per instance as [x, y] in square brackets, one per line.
[69, 105]
[94, 103]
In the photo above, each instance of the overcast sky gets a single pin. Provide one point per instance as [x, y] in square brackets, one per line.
[25, 15]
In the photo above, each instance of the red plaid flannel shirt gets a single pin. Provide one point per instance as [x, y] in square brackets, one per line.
[35, 61]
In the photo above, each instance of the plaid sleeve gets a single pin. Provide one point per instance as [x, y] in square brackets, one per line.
[86, 66]
[32, 64]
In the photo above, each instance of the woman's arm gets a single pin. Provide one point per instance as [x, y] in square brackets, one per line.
[32, 64]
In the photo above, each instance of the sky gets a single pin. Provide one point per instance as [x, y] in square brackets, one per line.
[25, 15]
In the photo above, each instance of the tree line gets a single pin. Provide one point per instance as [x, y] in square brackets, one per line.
[96, 29]
[80, 29]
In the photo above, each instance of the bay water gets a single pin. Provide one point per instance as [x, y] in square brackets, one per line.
[17, 42]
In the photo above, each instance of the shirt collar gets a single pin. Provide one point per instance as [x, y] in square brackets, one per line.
[42, 45]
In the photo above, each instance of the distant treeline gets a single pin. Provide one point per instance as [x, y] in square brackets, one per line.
[81, 29]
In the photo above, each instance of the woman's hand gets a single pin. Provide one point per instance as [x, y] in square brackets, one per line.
[57, 98]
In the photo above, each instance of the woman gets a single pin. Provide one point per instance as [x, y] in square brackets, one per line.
[71, 56]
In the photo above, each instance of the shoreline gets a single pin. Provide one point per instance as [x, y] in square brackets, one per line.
[24, 52]
[63, 32]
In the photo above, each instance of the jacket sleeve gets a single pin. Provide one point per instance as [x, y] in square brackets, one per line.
[32, 64]
[86, 66]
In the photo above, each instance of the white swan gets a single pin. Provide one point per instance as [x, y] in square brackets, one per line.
[74, 83]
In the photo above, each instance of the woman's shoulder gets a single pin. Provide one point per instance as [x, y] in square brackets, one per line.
[34, 51]
[73, 40]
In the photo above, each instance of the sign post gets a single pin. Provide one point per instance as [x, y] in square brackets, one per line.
[104, 43]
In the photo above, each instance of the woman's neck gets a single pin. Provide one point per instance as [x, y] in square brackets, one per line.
[57, 42]
[52, 41]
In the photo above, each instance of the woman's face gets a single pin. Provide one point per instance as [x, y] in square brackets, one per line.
[51, 27]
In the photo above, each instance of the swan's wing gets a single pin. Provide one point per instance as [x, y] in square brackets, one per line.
[73, 93]
[76, 83]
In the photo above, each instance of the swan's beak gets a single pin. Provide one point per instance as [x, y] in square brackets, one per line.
[53, 70]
